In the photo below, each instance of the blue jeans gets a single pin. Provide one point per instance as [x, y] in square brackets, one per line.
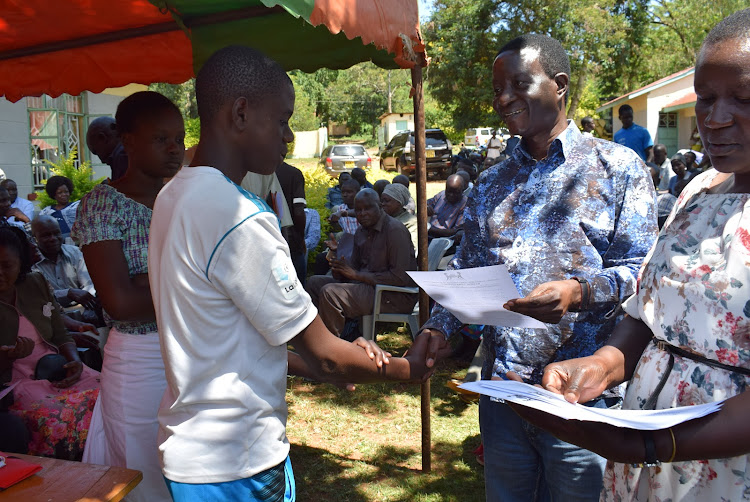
[524, 463]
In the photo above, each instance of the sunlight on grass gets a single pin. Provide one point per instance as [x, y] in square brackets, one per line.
[366, 445]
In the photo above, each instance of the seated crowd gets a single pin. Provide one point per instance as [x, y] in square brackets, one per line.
[165, 281]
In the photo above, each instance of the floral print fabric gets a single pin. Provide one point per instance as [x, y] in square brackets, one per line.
[586, 210]
[57, 419]
[694, 293]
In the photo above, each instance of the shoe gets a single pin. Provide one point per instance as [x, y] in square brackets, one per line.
[466, 396]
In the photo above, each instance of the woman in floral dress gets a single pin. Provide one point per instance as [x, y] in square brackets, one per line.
[56, 414]
[686, 339]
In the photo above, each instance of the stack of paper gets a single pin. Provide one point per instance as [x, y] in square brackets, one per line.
[549, 402]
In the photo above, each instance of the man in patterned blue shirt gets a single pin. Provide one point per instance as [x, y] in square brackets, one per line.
[572, 218]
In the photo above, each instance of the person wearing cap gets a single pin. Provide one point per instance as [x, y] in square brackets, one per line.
[394, 199]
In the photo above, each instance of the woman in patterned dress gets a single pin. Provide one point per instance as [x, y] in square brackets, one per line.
[686, 339]
[112, 229]
[55, 413]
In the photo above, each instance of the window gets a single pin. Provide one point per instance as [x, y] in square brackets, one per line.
[56, 127]
[349, 150]
[402, 125]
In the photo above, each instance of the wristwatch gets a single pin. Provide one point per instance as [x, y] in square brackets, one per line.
[585, 294]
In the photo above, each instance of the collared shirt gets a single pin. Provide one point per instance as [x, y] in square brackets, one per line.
[312, 229]
[445, 214]
[587, 210]
[26, 207]
[69, 271]
[665, 174]
[118, 161]
[348, 224]
[636, 138]
[385, 251]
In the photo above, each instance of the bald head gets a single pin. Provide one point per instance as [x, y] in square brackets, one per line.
[46, 232]
[367, 207]
[454, 188]
[102, 137]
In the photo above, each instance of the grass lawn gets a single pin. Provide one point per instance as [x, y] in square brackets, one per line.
[366, 445]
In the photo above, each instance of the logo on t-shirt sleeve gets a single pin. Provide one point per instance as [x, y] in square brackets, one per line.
[285, 275]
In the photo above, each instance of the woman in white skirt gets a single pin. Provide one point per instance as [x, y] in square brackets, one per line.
[112, 229]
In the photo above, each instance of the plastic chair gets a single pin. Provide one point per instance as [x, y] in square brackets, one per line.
[435, 253]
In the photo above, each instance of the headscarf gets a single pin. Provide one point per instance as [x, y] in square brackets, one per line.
[398, 192]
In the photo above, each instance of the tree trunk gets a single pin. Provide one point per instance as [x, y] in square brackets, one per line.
[580, 84]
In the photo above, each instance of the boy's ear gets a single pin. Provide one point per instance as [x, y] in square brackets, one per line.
[241, 113]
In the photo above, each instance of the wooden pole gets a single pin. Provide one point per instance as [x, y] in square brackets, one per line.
[424, 300]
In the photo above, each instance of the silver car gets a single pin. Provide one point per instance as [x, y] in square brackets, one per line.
[337, 159]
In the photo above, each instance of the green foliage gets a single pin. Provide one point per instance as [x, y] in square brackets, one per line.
[304, 118]
[615, 46]
[192, 131]
[82, 178]
[356, 96]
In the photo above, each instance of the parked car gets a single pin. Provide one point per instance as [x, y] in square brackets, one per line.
[337, 159]
[398, 154]
[477, 137]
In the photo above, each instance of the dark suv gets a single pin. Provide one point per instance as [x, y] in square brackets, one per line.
[398, 154]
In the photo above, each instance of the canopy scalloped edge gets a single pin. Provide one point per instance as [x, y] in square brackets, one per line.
[368, 21]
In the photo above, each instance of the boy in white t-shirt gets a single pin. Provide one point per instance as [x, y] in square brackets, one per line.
[227, 298]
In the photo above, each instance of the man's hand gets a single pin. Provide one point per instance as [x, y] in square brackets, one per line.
[23, 348]
[83, 297]
[548, 302]
[334, 218]
[74, 370]
[342, 268]
[435, 344]
[331, 243]
[18, 214]
[578, 380]
[418, 358]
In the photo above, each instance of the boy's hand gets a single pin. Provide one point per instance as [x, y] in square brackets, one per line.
[374, 352]
[417, 358]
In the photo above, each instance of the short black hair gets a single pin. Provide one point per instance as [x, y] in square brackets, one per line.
[4, 183]
[15, 239]
[624, 108]
[55, 182]
[350, 182]
[587, 120]
[144, 104]
[402, 179]
[233, 72]
[552, 56]
[359, 174]
[734, 26]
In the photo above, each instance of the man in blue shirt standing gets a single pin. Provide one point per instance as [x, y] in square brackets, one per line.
[634, 136]
[572, 217]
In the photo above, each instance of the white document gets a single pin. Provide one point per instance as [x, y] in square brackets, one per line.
[549, 402]
[476, 295]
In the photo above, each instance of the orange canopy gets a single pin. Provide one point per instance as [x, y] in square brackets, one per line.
[69, 46]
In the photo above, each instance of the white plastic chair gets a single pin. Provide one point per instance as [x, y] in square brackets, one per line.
[435, 253]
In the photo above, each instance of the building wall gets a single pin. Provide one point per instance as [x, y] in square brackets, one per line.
[388, 124]
[15, 148]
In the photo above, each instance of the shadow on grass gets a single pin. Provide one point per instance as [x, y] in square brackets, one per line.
[456, 476]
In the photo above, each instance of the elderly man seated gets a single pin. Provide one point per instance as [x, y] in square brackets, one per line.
[383, 252]
[446, 209]
[62, 265]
